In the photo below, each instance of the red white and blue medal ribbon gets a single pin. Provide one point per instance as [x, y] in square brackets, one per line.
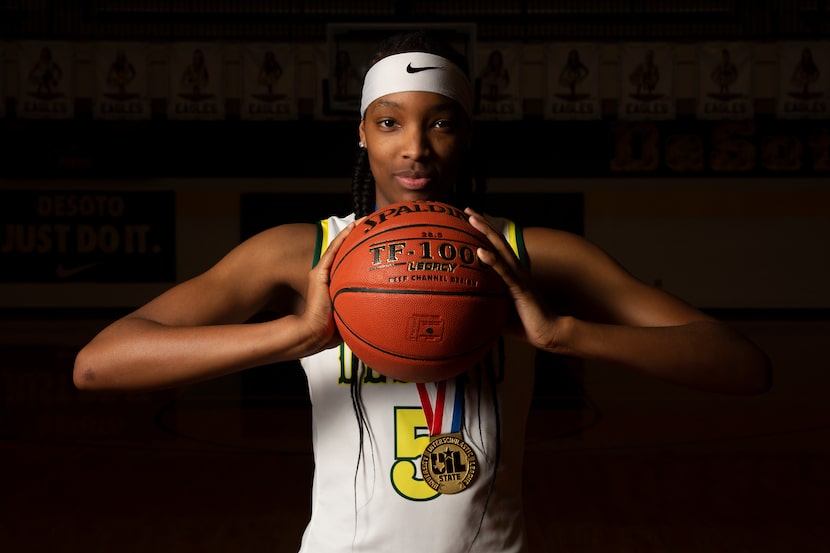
[448, 465]
[443, 404]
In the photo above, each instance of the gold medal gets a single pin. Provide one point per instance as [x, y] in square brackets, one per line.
[448, 464]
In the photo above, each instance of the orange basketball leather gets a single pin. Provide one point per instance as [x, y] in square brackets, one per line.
[411, 298]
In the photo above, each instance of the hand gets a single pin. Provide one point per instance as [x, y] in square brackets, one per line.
[538, 324]
[318, 313]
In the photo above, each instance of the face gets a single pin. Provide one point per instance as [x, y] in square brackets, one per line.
[415, 142]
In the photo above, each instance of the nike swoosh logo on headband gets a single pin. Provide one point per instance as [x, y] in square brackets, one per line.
[410, 69]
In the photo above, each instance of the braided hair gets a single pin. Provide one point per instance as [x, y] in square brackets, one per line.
[468, 188]
[468, 191]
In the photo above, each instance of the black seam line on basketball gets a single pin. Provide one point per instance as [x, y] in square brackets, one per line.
[468, 293]
[472, 232]
[485, 345]
[428, 359]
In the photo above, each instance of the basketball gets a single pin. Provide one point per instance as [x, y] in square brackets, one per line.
[410, 296]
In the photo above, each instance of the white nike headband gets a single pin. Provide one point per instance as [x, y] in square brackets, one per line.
[416, 72]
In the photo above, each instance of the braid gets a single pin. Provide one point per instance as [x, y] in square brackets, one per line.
[467, 192]
[363, 186]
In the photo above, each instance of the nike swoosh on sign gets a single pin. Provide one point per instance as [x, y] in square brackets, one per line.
[410, 69]
[63, 272]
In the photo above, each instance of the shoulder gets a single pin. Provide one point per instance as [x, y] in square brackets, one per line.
[580, 271]
[566, 256]
[580, 278]
[284, 238]
[265, 272]
[551, 243]
[277, 258]
[280, 247]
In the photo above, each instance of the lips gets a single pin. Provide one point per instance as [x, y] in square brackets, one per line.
[413, 180]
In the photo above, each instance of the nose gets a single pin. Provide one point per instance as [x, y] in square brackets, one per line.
[416, 143]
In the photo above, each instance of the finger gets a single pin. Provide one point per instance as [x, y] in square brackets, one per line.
[481, 224]
[505, 270]
[501, 257]
[478, 221]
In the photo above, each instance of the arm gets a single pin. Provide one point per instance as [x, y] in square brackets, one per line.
[197, 329]
[575, 300]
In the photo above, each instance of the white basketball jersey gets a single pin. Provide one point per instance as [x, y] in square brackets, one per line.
[373, 498]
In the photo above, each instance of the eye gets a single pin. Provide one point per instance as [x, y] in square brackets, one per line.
[386, 123]
[446, 124]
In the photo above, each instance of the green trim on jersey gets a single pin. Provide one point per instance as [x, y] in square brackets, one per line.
[517, 241]
[322, 241]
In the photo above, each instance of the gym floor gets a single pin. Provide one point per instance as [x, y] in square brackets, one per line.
[621, 464]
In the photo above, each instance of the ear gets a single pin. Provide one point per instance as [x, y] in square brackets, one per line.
[361, 131]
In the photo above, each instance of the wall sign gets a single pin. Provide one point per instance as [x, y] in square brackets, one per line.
[56, 236]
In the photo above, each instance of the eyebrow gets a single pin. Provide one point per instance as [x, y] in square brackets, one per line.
[387, 103]
[448, 105]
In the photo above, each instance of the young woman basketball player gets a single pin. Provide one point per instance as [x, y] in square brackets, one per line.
[403, 466]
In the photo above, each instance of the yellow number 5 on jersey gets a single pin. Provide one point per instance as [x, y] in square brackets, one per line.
[411, 438]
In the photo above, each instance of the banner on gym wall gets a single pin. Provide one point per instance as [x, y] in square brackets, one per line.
[269, 84]
[725, 81]
[121, 81]
[46, 74]
[803, 80]
[51, 236]
[572, 81]
[647, 82]
[498, 82]
[196, 81]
